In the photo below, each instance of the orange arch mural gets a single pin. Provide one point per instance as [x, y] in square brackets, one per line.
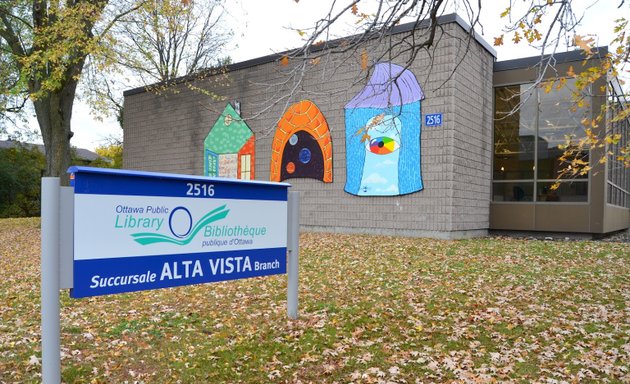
[302, 146]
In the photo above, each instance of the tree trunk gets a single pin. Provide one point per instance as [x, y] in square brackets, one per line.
[54, 112]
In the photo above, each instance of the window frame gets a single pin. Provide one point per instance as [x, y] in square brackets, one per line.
[246, 158]
[535, 180]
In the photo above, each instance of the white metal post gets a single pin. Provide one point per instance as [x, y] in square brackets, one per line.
[293, 248]
[51, 342]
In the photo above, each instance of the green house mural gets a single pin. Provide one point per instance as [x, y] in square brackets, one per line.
[229, 147]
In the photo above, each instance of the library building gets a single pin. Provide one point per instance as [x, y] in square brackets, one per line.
[452, 144]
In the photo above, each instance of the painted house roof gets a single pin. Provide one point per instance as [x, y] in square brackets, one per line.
[390, 84]
[229, 133]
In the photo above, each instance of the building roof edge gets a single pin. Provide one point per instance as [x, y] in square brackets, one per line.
[402, 28]
[559, 58]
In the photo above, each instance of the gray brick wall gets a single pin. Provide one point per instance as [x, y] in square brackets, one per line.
[165, 133]
[472, 144]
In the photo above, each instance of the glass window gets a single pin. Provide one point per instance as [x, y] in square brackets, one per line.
[530, 125]
[568, 192]
[514, 133]
[513, 191]
[618, 174]
[558, 120]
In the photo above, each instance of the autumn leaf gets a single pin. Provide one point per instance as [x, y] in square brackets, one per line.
[284, 61]
[537, 35]
[561, 83]
[34, 360]
[547, 85]
[583, 44]
[361, 17]
[364, 59]
[529, 36]
[354, 9]
[516, 38]
[316, 60]
[498, 40]
[570, 71]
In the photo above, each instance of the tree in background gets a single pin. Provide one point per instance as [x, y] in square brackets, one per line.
[161, 41]
[9, 103]
[111, 156]
[45, 45]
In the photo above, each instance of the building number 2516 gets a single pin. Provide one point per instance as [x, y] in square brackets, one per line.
[198, 189]
[433, 120]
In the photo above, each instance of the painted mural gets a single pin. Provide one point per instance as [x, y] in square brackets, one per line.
[229, 147]
[302, 146]
[383, 123]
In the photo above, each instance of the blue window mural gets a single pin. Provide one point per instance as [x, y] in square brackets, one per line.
[383, 123]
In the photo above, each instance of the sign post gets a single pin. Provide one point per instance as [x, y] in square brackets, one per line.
[117, 231]
[293, 252]
[51, 348]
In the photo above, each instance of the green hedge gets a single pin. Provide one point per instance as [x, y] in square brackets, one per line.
[21, 168]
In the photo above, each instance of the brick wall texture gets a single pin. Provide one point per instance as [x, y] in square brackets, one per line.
[165, 132]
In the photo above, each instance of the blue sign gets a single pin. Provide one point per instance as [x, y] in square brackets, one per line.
[433, 120]
[139, 230]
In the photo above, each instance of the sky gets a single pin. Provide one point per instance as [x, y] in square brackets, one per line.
[265, 27]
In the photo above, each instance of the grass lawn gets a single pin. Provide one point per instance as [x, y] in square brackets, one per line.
[372, 309]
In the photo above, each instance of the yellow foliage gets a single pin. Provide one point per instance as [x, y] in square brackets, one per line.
[517, 38]
[584, 44]
[547, 85]
[613, 139]
[561, 83]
